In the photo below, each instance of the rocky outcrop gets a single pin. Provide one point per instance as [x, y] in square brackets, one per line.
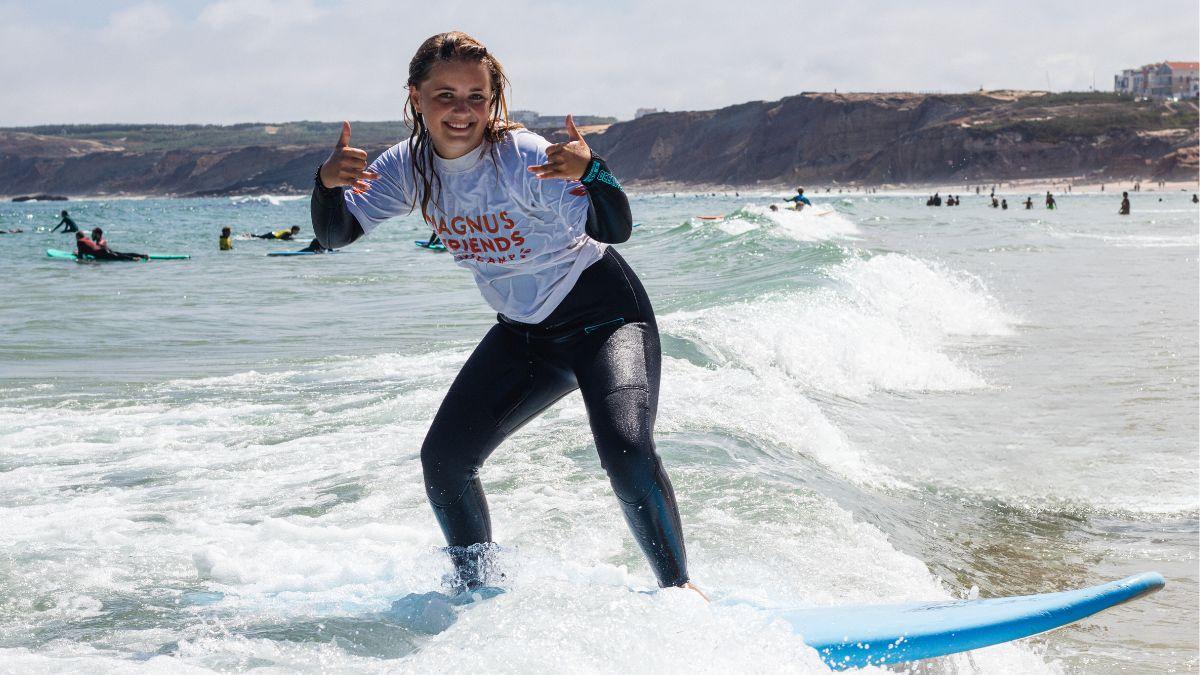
[905, 138]
[811, 138]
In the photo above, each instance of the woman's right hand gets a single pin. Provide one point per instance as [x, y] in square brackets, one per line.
[347, 166]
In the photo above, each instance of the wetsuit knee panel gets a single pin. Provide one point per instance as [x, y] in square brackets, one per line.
[624, 436]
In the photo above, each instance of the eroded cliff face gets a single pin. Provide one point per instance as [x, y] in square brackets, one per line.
[905, 138]
[860, 138]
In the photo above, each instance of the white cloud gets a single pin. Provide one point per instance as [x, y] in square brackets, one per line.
[274, 60]
[138, 24]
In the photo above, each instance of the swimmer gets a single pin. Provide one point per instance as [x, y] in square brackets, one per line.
[225, 243]
[66, 223]
[285, 235]
[1050, 203]
[799, 200]
[572, 314]
[1028, 203]
[1124, 210]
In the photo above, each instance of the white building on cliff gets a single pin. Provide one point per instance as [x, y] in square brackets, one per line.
[1166, 80]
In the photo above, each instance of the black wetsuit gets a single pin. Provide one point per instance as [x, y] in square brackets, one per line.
[67, 224]
[314, 246]
[601, 339]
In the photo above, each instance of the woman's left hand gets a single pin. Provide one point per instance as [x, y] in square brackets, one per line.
[568, 160]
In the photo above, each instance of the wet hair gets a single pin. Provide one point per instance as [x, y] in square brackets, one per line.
[225, 231]
[96, 230]
[79, 234]
[444, 48]
[295, 228]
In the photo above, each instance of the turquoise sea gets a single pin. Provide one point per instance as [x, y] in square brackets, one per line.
[212, 464]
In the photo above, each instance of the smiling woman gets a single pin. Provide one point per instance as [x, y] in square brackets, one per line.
[532, 221]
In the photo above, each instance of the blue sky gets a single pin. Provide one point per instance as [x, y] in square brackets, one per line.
[274, 60]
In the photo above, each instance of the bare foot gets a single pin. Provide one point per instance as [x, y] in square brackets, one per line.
[691, 586]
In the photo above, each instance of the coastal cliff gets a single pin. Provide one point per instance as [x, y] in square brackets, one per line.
[908, 138]
[871, 139]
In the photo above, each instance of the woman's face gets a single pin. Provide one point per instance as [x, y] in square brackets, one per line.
[454, 101]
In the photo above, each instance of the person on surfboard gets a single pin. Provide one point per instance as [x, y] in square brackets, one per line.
[97, 248]
[285, 235]
[533, 222]
[800, 200]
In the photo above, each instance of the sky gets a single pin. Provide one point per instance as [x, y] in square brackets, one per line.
[228, 61]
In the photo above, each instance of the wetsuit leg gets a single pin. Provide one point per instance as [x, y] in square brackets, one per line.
[618, 372]
[502, 386]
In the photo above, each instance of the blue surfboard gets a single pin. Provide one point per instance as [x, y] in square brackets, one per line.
[872, 635]
[429, 247]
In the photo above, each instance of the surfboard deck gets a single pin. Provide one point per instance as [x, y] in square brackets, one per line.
[863, 635]
[69, 255]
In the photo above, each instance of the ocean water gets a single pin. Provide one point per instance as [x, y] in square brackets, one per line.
[212, 464]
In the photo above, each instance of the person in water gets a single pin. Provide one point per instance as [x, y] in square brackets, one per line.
[533, 222]
[226, 241]
[1195, 199]
[1003, 204]
[285, 235]
[1124, 210]
[314, 246]
[1050, 203]
[433, 240]
[1028, 203]
[66, 223]
[800, 201]
[97, 248]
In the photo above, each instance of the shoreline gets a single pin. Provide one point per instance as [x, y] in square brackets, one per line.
[1057, 186]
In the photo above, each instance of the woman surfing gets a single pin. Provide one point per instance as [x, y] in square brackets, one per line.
[533, 222]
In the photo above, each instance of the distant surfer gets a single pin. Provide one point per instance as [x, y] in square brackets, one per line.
[532, 221]
[66, 223]
[433, 240]
[226, 241]
[1050, 203]
[1124, 210]
[285, 235]
[799, 200]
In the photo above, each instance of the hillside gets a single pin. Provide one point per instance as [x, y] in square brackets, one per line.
[860, 138]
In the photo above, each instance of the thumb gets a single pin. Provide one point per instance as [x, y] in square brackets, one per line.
[571, 130]
[344, 139]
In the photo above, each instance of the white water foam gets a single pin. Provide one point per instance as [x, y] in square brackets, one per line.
[811, 224]
[266, 199]
[884, 329]
[284, 515]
